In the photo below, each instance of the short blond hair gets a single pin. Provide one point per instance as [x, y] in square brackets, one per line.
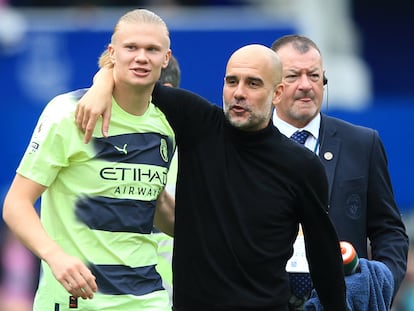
[134, 16]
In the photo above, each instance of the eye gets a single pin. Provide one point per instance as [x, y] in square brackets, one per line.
[254, 83]
[315, 77]
[291, 78]
[231, 81]
[154, 49]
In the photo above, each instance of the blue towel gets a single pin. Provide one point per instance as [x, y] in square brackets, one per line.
[368, 290]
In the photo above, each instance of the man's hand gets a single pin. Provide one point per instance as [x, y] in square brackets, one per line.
[96, 102]
[73, 274]
[87, 115]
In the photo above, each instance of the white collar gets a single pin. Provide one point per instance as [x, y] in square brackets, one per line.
[288, 129]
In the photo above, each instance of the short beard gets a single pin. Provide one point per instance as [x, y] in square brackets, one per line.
[250, 124]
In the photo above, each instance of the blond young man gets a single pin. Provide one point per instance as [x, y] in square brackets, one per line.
[99, 200]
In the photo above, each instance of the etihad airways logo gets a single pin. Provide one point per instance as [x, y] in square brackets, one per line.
[132, 174]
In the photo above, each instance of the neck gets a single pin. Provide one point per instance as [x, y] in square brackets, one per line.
[133, 99]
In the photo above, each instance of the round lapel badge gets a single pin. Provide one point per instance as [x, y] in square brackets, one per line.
[328, 156]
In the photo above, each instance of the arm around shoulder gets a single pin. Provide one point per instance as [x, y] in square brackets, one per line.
[96, 102]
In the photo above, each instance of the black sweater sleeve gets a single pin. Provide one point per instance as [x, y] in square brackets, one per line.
[321, 241]
[189, 114]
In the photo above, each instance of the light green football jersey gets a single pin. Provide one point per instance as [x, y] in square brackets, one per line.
[100, 202]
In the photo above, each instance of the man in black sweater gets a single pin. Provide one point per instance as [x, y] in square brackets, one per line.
[243, 188]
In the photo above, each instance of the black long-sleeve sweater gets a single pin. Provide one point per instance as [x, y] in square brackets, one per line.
[239, 199]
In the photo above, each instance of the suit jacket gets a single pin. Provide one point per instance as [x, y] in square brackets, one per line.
[362, 203]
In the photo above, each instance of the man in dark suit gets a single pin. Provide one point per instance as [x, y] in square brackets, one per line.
[361, 204]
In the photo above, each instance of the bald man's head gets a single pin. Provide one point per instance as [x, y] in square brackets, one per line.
[252, 86]
[260, 57]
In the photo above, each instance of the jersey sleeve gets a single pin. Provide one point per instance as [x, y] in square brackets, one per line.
[52, 140]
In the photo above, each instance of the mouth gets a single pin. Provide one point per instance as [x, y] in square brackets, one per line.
[304, 99]
[140, 71]
[238, 109]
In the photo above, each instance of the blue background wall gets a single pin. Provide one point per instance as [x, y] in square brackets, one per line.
[55, 61]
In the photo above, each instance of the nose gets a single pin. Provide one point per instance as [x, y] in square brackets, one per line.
[304, 82]
[140, 55]
[239, 91]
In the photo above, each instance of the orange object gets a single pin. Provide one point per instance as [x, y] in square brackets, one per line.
[349, 257]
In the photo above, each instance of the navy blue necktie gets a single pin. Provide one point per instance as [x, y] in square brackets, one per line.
[300, 136]
[300, 283]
